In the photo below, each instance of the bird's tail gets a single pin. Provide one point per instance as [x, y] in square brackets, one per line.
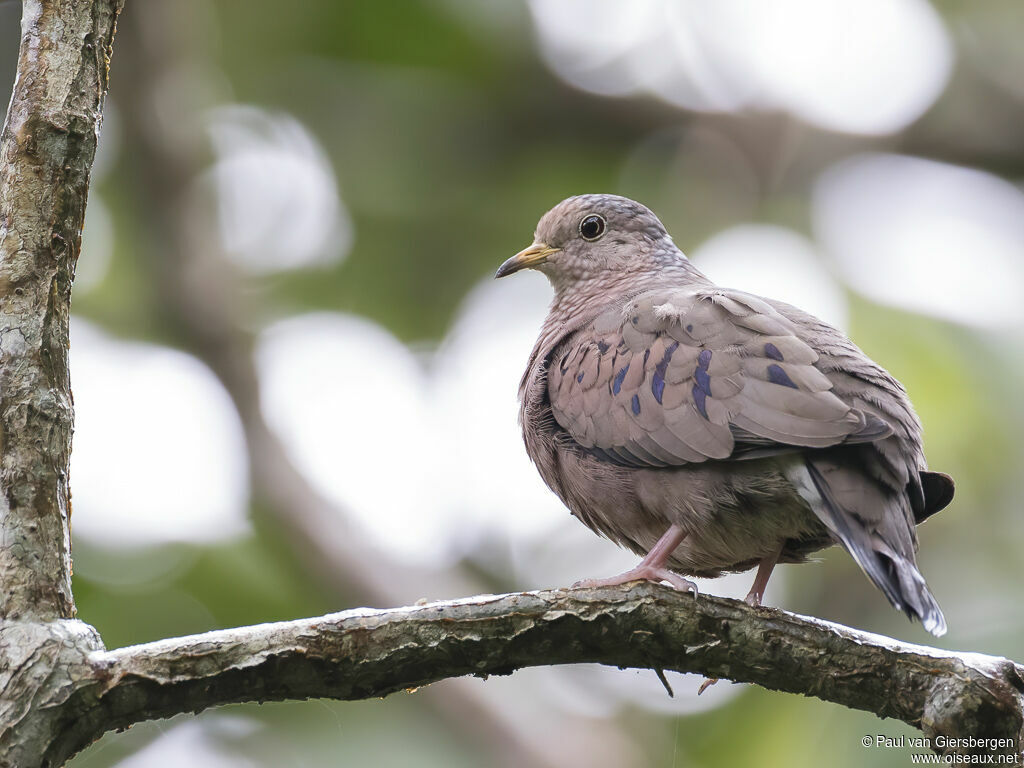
[894, 573]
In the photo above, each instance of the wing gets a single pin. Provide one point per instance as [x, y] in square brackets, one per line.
[678, 377]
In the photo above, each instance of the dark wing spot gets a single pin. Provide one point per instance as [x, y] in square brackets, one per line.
[704, 358]
[563, 365]
[698, 400]
[580, 377]
[689, 328]
[617, 383]
[703, 381]
[772, 351]
[778, 376]
[658, 386]
[636, 405]
[658, 380]
[603, 346]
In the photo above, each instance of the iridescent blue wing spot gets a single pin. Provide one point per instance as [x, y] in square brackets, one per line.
[617, 382]
[776, 375]
[658, 380]
[699, 397]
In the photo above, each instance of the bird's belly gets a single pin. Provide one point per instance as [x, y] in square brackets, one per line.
[733, 515]
[736, 540]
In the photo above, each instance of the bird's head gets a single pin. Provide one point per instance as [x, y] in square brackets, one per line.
[593, 236]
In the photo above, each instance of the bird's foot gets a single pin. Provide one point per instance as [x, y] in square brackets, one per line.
[764, 572]
[643, 573]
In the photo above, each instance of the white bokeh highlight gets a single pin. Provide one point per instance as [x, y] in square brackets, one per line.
[277, 198]
[424, 452]
[158, 453]
[926, 236]
[349, 402]
[197, 743]
[476, 385]
[776, 262]
[864, 66]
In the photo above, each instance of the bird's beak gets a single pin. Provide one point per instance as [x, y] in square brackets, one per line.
[530, 257]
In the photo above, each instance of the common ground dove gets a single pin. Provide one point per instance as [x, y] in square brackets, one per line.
[709, 429]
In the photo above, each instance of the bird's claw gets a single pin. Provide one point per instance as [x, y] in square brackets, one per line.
[708, 682]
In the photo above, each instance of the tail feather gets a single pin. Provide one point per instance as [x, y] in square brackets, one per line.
[937, 489]
[918, 601]
[894, 574]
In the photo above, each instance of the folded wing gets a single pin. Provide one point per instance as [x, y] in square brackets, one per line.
[680, 377]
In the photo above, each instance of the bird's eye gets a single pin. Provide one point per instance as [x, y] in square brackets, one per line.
[592, 227]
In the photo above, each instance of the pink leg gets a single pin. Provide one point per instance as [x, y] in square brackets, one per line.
[764, 572]
[652, 567]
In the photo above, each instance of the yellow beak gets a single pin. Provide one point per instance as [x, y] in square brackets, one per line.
[530, 257]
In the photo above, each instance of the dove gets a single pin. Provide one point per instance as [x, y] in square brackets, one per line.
[710, 430]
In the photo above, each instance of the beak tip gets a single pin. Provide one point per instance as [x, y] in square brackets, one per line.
[531, 257]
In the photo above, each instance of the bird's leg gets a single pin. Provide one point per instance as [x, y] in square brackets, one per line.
[764, 572]
[652, 567]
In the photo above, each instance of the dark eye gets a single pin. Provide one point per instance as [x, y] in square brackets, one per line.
[592, 227]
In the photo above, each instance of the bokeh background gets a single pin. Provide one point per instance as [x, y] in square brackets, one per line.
[295, 379]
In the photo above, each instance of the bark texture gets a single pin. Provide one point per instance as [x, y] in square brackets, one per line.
[46, 153]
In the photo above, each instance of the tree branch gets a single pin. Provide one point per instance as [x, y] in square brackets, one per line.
[367, 653]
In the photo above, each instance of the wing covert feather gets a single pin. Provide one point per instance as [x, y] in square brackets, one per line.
[683, 376]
